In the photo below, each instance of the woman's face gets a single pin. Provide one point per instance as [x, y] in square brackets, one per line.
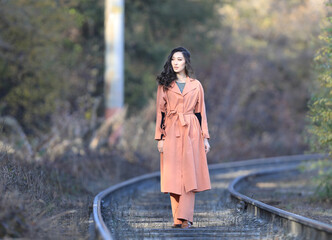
[178, 62]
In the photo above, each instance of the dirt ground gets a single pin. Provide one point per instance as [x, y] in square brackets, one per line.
[292, 192]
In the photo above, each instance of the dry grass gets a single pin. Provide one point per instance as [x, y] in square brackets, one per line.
[50, 195]
[53, 200]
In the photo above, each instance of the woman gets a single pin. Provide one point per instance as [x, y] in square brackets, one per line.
[182, 135]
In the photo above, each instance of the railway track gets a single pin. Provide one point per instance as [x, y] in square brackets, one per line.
[136, 209]
[296, 224]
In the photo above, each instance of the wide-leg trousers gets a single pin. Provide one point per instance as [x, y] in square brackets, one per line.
[183, 206]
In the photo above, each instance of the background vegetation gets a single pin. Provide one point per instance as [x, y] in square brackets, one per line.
[253, 57]
[320, 113]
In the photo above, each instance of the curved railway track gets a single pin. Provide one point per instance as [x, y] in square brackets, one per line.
[136, 209]
[296, 224]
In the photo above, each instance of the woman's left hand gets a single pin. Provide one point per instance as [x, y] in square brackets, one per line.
[207, 145]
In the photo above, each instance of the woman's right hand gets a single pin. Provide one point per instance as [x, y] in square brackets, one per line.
[160, 145]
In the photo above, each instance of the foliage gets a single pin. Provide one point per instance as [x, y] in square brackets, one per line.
[258, 86]
[320, 114]
[323, 180]
[321, 103]
[153, 29]
[252, 57]
[41, 45]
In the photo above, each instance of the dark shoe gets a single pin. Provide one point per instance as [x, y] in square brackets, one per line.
[186, 224]
[176, 226]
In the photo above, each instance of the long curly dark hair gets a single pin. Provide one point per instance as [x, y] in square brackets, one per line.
[167, 76]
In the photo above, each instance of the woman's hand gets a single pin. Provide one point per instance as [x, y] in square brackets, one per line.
[160, 145]
[206, 145]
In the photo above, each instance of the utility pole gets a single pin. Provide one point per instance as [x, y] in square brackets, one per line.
[114, 62]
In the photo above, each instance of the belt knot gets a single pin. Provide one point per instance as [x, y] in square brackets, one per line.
[180, 117]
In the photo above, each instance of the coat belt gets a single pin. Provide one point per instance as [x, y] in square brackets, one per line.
[179, 116]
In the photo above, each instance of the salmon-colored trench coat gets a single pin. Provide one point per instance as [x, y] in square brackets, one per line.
[183, 160]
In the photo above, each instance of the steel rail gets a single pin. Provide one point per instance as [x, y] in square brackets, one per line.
[102, 232]
[299, 225]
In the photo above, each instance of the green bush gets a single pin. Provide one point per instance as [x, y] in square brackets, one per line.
[320, 113]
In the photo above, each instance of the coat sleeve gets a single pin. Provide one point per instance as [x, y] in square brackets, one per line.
[200, 108]
[161, 104]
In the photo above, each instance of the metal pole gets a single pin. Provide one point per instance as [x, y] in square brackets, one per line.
[114, 60]
[114, 56]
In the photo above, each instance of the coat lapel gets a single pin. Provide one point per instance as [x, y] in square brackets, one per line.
[187, 87]
[174, 88]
